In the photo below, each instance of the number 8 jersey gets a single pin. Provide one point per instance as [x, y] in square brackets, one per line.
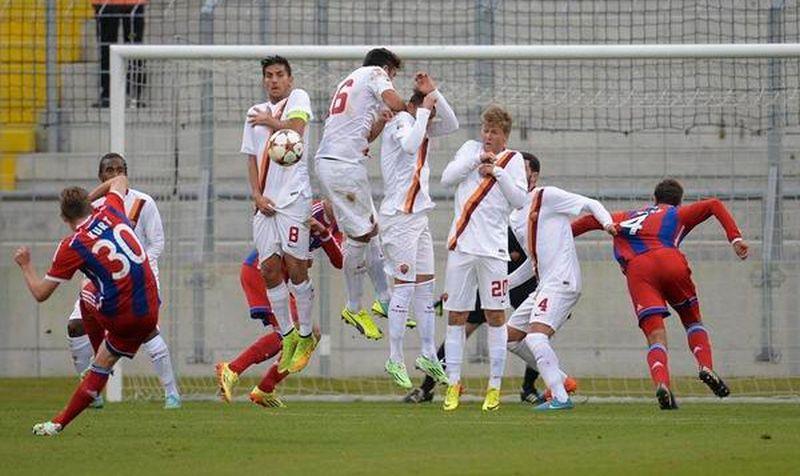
[106, 250]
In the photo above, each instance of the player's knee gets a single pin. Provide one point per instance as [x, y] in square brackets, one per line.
[515, 335]
[495, 317]
[457, 318]
[75, 328]
[690, 317]
[651, 324]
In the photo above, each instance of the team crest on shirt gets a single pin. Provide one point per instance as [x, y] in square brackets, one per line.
[403, 268]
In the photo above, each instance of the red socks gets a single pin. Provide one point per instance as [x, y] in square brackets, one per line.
[89, 388]
[658, 363]
[271, 379]
[699, 345]
[261, 350]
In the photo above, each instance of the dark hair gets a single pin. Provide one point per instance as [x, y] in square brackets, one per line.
[532, 161]
[416, 98]
[272, 60]
[112, 156]
[74, 203]
[669, 191]
[382, 57]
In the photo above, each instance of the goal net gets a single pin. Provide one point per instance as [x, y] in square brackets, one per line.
[607, 122]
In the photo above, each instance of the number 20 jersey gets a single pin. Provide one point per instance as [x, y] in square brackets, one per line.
[107, 251]
[355, 105]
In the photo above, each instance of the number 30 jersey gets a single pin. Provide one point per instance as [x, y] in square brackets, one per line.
[660, 226]
[105, 249]
[354, 107]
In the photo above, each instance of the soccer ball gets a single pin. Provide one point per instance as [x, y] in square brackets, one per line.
[285, 147]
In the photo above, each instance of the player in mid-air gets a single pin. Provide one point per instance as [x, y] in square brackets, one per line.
[658, 274]
[325, 235]
[546, 235]
[145, 220]
[120, 308]
[403, 218]
[340, 166]
[282, 199]
[490, 181]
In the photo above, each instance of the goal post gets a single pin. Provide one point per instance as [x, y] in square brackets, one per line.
[606, 121]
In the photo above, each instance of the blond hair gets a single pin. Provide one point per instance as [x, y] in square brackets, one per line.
[495, 115]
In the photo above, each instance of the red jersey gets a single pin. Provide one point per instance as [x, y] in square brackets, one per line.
[658, 226]
[105, 249]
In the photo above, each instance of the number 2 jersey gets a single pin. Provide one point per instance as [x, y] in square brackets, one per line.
[659, 226]
[105, 248]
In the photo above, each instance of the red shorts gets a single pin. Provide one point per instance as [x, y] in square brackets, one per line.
[658, 278]
[123, 333]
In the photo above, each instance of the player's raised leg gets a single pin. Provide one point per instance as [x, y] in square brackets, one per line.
[159, 355]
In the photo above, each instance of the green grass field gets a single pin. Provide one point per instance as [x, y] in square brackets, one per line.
[393, 438]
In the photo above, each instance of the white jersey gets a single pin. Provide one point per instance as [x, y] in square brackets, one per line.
[544, 229]
[146, 222]
[354, 107]
[282, 185]
[404, 157]
[483, 204]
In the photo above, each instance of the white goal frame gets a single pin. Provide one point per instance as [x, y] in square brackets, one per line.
[120, 54]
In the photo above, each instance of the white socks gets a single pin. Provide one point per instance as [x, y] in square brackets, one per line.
[497, 339]
[159, 355]
[355, 257]
[81, 349]
[454, 352]
[547, 363]
[398, 313]
[521, 350]
[279, 298]
[426, 320]
[304, 295]
[377, 274]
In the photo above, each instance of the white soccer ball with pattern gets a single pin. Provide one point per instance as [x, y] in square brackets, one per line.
[285, 147]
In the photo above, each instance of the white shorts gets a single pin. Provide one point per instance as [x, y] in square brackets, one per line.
[348, 190]
[466, 274]
[407, 244]
[286, 232]
[548, 305]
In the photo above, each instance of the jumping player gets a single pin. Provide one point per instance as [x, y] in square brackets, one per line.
[658, 273]
[490, 182]
[547, 237]
[340, 166]
[325, 235]
[282, 199]
[120, 308]
[403, 219]
[142, 212]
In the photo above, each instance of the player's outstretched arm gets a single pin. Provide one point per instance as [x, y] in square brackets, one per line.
[40, 288]
[448, 122]
[464, 162]
[693, 214]
[521, 275]
[117, 184]
[393, 100]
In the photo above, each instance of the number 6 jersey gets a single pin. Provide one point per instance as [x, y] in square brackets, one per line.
[105, 248]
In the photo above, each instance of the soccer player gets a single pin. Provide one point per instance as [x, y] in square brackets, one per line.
[657, 273]
[142, 212]
[340, 165]
[325, 235]
[120, 308]
[403, 219]
[547, 236]
[282, 199]
[490, 182]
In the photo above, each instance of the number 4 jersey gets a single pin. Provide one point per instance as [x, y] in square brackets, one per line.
[105, 249]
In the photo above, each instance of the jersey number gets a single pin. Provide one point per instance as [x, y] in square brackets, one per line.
[127, 254]
[339, 103]
[633, 225]
[294, 234]
[543, 305]
[499, 288]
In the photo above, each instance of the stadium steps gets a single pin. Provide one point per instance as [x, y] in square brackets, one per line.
[23, 94]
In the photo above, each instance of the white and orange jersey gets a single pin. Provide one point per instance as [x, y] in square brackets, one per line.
[483, 204]
[145, 220]
[281, 184]
[544, 228]
[404, 157]
[354, 107]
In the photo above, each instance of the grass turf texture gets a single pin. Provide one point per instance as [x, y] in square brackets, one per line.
[392, 438]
